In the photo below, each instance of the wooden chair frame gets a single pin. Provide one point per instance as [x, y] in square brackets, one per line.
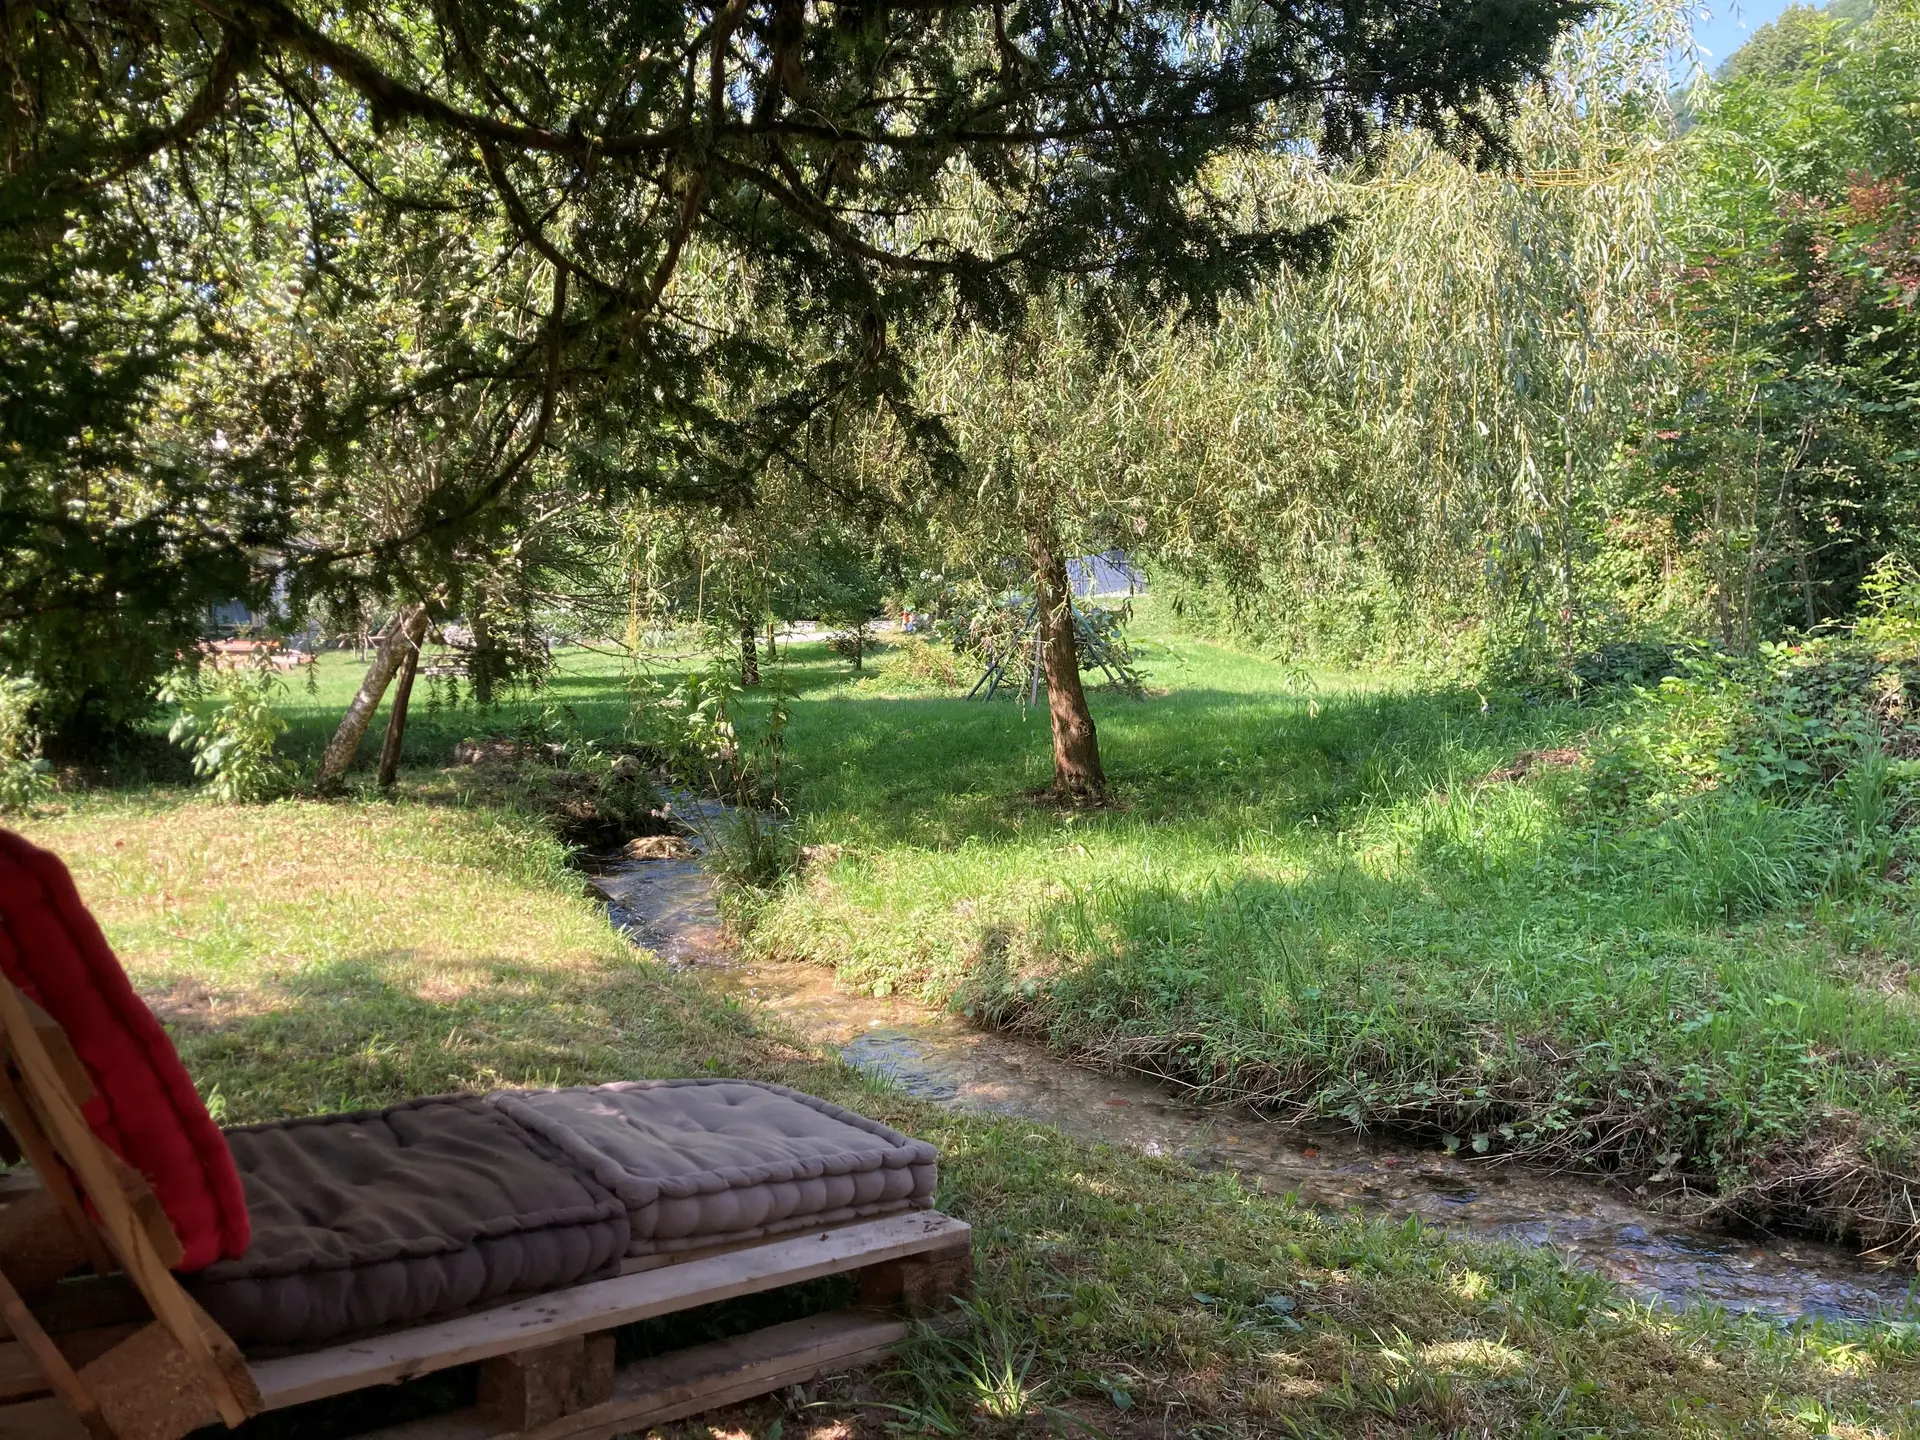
[128, 1354]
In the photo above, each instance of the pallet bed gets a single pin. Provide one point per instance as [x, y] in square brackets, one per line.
[102, 1357]
[100, 1340]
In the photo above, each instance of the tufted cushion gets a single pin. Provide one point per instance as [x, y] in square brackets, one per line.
[710, 1162]
[144, 1106]
[392, 1217]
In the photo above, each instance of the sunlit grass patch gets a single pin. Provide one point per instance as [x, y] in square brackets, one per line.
[1361, 899]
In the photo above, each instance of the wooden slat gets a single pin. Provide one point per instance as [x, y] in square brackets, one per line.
[73, 1074]
[601, 1305]
[634, 1264]
[47, 1359]
[19, 1376]
[147, 1387]
[39, 1149]
[212, 1354]
[78, 1086]
[38, 1244]
[695, 1380]
[91, 1302]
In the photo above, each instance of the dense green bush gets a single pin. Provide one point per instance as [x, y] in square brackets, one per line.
[1793, 722]
[24, 775]
[922, 664]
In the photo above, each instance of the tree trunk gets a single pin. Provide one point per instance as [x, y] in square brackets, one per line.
[1076, 747]
[397, 716]
[404, 633]
[480, 665]
[749, 655]
[772, 654]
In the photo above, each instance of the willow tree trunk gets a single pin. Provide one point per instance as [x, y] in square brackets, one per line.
[1077, 773]
[749, 655]
[404, 633]
[397, 716]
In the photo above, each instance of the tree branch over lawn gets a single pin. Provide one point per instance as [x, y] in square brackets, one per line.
[606, 247]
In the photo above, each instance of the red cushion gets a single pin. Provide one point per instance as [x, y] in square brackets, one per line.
[144, 1105]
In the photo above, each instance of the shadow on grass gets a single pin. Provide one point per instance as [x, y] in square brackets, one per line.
[381, 1027]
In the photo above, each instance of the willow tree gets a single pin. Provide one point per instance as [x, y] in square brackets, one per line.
[1453, 401]
[1450, 391]
[1040, 420]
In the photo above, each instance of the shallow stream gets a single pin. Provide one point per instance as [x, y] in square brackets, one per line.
[667, 905]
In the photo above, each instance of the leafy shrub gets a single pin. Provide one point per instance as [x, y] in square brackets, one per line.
[229, 725]
[24, 775]
[708, 737]
[1629, 662]
[1756, 781]
[750, 849]
[1788, 720]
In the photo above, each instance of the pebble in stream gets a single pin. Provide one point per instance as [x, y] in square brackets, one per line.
[667, 906]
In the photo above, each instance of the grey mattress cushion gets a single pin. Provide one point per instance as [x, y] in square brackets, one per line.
[391, 1217]
[709, 1162]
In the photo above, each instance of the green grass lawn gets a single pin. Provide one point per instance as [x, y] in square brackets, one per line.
[311, 956]
[1331, 894]
[1320, 892]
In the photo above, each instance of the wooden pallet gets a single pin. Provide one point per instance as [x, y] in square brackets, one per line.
[128, 1355]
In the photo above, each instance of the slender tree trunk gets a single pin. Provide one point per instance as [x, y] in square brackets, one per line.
[404, 633]
[772, 654]
[480, 666]
[397, 716]
[749, 655]
[1077, 773]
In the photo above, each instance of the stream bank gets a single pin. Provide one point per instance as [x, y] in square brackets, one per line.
[668, 906]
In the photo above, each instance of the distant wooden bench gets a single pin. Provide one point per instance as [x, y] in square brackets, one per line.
[127, 1354]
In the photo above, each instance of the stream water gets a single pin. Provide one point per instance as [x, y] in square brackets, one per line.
[667, 905]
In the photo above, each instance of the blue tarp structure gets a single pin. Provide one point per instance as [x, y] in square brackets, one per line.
[1109, 573]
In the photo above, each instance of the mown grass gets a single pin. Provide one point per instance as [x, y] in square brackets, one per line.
[316, 956]
[1334, 895]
